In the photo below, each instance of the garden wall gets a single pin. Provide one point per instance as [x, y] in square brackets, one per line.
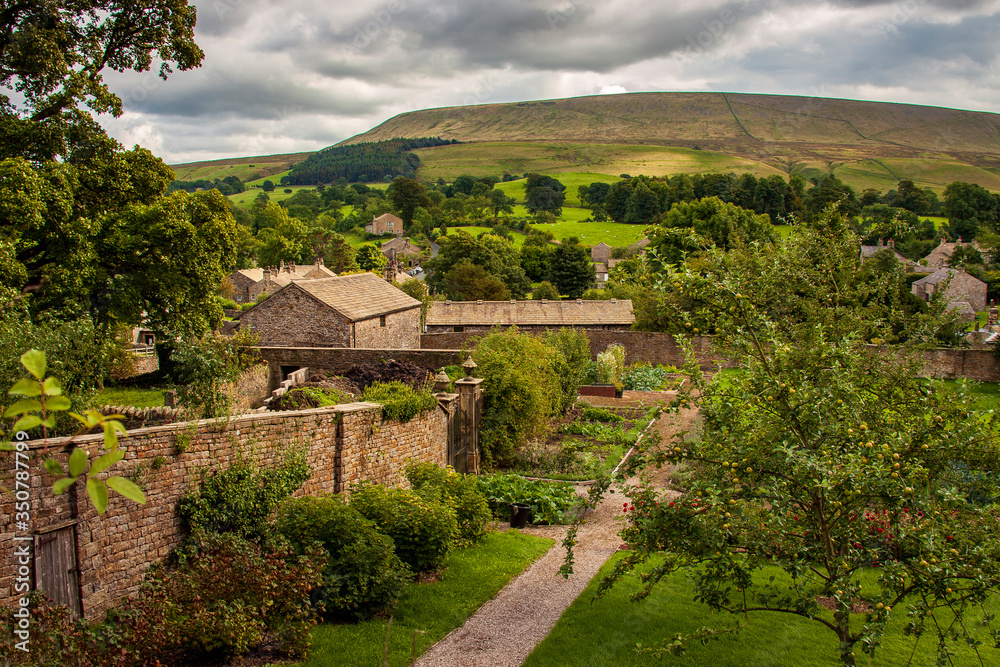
[338, 360]
[660, 348]
[344, 444]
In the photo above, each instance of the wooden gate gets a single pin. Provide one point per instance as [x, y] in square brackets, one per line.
[56, 572]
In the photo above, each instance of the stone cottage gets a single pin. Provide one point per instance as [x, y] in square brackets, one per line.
[869, 251]
[600, 253]
[251, 283]
[387, 223]
[457, 316]
[360, 310]
[957, 285]
[401, 249]
[939, 257]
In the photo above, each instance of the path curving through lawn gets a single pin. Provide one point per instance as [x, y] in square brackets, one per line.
[505, 630]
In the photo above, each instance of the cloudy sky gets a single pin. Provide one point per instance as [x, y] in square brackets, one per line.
[296, 75]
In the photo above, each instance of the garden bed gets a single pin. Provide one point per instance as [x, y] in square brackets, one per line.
[584, 443]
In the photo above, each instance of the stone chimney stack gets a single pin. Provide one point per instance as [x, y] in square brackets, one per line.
[892, 243]
[267, 273]
[879, 245]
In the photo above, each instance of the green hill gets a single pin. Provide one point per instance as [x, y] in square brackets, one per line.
[867, 144]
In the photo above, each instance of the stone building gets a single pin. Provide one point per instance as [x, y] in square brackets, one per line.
[360, 310]
[248, 284]
[869, 251]
[957, 285]
[401, 249]
[387, 223]
[458, 316]
[600, 253]
[939, 257]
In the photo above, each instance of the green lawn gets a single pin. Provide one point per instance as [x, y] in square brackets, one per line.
[985, 395]
[606, 631]
[472, 577]
[592, 233]
[139, 398]
[518, 237]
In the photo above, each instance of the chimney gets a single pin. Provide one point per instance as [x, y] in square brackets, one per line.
[267, 273]
[292, 268]
[959, 240]
[879, 246]
[614, 300]
[892, 243]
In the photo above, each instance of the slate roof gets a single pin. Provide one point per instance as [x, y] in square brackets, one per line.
[937, 277]
[401, 246]
[531, 313]
[360, 296]
[283, 277]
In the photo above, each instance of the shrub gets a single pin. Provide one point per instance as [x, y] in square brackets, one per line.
[574, 346]
[203, 367]
[226, 595]
[550, 502]
[241, 498]
[363, 575]
[521, 389]
[400, 401]
[611, 364]
[422, 530]
[460, 492]
[645, 377]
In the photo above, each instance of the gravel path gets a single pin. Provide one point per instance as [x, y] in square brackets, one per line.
[506, 629]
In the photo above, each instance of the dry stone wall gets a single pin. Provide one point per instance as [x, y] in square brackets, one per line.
[343, 444]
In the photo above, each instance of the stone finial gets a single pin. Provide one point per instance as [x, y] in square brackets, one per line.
[441, 381]
[469, 367]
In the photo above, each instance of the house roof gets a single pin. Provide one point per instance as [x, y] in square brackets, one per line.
[942, 253]
[530, 313]
[283, 275]
[360, 296]
[939, 276]
[401, 246]
[357, 297]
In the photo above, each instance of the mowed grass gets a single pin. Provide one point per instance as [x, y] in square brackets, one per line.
[597, 632]
[517, 237]
[139, 398]
[982, 395]
[572, 181]
[472, 576]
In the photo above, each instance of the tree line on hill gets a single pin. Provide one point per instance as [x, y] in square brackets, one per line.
[362, 162]
[230, 185]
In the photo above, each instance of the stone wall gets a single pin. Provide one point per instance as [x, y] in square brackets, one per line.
[640, 346]
[343, 444]
[338, 360]
[294, 318]
[250, 390]
[401, 331]
[660, 348]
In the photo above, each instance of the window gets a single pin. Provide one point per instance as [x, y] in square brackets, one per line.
[381, 321]
[459, 329]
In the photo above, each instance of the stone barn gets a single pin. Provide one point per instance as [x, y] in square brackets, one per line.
[360, 310]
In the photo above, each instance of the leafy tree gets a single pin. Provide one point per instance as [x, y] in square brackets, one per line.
[470, 282]
[370, 258]
[407, 195]
[690, 227]
[570, 269]
[595, 194]
[544, 193]
[496, 256]
[267, 186]
[821, 466]
[535, 259]
[500, 202]
[830, 190]
[547, 291]
[338, 255]
[969, 207]
[419, 291]
[643, 205]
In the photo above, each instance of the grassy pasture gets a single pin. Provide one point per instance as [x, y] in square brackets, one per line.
[494, 158]
[246, 168]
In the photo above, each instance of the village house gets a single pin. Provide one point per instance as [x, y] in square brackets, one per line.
[387, 223]
[939, 257]
[600, 253]
[248, 284]
[401, 249]
[360, 310]
[869, 251]
[957, 285]
[458, 316]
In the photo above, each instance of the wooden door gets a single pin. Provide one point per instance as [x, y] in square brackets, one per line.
[55, 567]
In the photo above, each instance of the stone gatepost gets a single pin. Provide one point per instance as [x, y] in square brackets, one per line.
[470, 393]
